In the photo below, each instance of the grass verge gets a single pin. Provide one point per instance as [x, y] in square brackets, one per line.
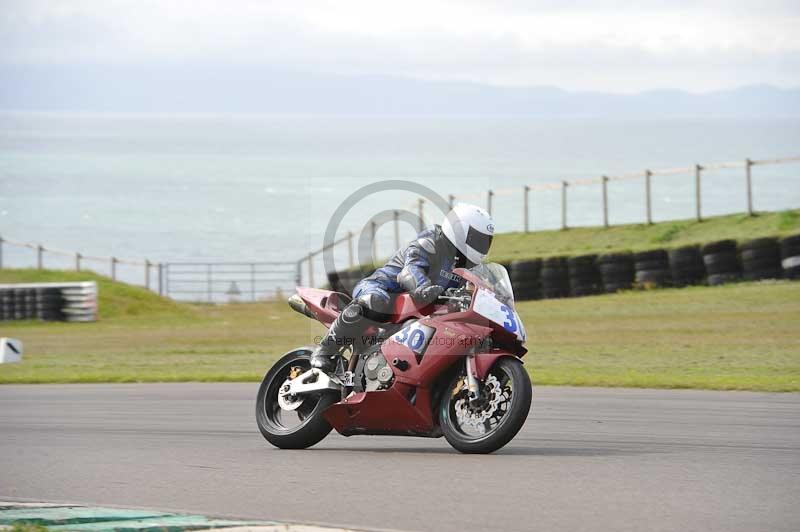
[636, 237]
[737, 337]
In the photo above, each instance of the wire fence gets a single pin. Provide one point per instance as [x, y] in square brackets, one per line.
[525, 199]
[212, 282]
[221, 281]
[142, 272]
[216, 282]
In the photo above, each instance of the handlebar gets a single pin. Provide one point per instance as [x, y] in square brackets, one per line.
[457, 295]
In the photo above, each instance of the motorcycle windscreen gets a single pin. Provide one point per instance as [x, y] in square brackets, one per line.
[488, 306]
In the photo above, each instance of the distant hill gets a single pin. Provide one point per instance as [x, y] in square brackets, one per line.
[182, 88]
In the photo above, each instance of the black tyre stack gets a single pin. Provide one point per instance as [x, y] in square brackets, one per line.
[721, 261]
[616, 271]
[335, 281]
[24, 304]
[555, 277]
[686, 265]
[761, 259]
[50, 303]
[790, 256]
[350, 281]
[345, 281]
[584, 277]
[526, 279]
[6, 308]
[652, 268]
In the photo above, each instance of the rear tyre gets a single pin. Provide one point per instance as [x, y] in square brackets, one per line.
[299, 427]
[506, 395]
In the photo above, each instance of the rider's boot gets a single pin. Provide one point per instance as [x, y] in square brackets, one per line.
[348, 326]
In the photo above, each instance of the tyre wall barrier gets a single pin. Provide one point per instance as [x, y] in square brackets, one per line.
[790, 256]
[584, 277]
[346, 280]
[721, 261]
[714, 263]
[760, 259]
[652, 268]
[554, 277]
[49, 301]
[526, 278]
[686, 266]
[616, 271]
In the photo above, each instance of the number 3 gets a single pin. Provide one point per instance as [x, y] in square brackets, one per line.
[511, 324]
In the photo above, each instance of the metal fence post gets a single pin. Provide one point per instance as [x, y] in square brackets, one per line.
[396, 229]
[77, 261]
[39, 258]
[350, 248]
[298, 274]
[373, 230]
[160, 279]
[489, 196]
[697, 195]
[208, 281]
[748, 165]
[525, 217]
[605, 201]
[252, 282]
[421, 213]
[564, 186]
[311, 270]
[647, 177]
[113, 268]
[1, 252]
[451, 200]
[147, 273]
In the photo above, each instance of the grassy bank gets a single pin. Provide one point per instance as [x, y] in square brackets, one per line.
[744, 336]
[510, 246]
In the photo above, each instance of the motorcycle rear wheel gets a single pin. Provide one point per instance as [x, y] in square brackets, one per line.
[311, 427]
[507, 389]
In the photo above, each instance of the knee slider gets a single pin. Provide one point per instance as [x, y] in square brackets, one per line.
[353, 312]
[374, 307]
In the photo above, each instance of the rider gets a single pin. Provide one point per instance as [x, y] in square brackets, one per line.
[423, 269]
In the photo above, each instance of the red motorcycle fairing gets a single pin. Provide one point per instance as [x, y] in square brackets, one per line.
[406, 407]
[402, 410]
[326, 305]
[447, 345]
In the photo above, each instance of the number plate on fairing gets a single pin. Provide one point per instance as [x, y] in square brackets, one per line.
[491, 308]
[416, 337]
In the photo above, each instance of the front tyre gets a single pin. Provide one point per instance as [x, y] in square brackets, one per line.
[496, 417]
[294, 424]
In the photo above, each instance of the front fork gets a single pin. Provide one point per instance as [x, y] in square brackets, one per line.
[473, 387]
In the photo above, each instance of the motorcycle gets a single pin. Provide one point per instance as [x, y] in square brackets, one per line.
[451, 368]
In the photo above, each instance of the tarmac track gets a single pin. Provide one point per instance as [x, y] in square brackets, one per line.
[587, 459]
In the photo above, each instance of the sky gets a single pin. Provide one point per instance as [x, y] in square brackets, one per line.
[581, 45]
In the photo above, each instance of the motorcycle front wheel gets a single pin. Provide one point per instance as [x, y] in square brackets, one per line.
[295, 423]
[495, 418]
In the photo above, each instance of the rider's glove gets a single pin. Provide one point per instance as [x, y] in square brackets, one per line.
[427, 293]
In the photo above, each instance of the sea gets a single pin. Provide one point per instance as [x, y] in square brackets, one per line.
[214, 187]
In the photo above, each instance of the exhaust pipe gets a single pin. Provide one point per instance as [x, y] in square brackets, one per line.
[298, 305]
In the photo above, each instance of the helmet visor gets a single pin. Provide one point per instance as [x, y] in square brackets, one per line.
[480, 242]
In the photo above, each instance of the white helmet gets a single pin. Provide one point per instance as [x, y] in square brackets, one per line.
[470, 229]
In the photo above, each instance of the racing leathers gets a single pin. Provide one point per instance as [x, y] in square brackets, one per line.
[423, 268]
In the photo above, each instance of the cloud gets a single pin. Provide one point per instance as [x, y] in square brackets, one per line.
[603, 45]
